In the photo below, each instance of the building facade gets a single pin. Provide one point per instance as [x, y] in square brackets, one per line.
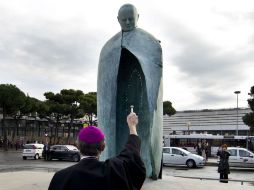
[218, 121]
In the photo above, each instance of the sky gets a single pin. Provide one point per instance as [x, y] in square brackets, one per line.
[208, 46]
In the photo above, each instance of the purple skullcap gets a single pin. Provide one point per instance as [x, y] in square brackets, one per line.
[90, 135]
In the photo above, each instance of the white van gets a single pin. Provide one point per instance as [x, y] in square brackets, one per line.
[240, 157]
[32, 150]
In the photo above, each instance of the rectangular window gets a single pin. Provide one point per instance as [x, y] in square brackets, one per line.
[166, 150]
[244, 153]
[233, 152]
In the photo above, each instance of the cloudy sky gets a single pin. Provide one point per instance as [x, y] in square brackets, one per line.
[208, 46]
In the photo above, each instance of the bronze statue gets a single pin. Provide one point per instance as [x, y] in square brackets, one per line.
[130, 73]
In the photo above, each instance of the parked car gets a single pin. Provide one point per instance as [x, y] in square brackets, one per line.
[179, 156]
[64, 152]
[33, 150]
[240, 157]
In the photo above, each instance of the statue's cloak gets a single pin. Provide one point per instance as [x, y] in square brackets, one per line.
[147, 51]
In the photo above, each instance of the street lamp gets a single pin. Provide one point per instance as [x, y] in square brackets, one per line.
[188, 126]
[237, 92]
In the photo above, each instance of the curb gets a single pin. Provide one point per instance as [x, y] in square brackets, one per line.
[211, 164]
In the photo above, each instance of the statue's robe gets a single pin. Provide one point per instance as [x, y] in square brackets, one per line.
[130, 73]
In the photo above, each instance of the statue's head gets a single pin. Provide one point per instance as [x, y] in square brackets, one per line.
[128, 17]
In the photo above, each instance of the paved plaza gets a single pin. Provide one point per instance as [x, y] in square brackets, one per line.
[16, 174]
[39, 180]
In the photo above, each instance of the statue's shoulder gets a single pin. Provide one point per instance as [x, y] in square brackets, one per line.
[113, 42]
[111, 47]
[144, 34]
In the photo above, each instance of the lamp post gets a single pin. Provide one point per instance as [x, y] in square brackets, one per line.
[237, 92]
[188, 126]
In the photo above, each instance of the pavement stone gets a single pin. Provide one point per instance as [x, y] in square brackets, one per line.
[13, 177]
[178, 183]
[39, 180]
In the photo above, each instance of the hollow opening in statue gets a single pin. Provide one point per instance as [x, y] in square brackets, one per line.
[131, 90]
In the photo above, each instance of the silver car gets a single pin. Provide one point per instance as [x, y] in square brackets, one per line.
[179, 156]
[240, 157]
[32, 150]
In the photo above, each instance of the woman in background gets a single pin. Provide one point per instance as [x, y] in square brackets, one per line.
[223, 167]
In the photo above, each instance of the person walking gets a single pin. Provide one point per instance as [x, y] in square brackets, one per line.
[203, 151]
[206, 150]
[223, 167]
[198, 148]
[46, 151]
[126, 171]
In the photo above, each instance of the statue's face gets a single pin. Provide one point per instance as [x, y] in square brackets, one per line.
[127, 18]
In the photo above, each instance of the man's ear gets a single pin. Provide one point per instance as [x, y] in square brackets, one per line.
[78, 144]
[102, 146]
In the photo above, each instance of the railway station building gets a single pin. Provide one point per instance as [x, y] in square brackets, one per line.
[210, 121]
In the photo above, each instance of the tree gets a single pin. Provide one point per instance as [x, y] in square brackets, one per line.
[29, 107]
[89, 105]
[65, 104]
[55, 111]
[168, 108]
[248, 118]
[11, 100]
[72, 99]
[43, 113]
[43, 109]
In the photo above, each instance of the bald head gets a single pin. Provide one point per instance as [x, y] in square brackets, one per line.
[128, 17]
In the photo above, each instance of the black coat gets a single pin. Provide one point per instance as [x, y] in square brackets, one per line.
[223, 166]
[123, 172]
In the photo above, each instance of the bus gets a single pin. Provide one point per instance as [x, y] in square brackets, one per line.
[190, 142]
